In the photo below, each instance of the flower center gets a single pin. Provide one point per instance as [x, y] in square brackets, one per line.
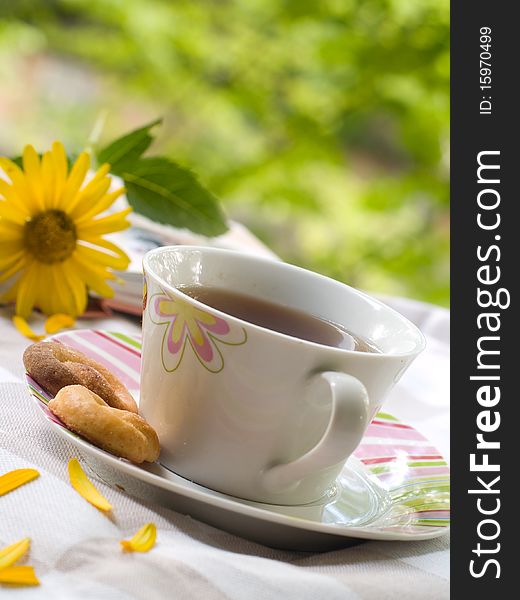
[50, 236]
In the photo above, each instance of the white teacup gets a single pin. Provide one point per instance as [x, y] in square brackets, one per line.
[252, 412]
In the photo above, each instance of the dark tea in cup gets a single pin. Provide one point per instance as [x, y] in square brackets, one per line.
[276, 317]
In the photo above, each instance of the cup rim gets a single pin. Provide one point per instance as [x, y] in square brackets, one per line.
[419, 345]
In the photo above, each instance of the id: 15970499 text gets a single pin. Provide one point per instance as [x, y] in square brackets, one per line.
[485, 70]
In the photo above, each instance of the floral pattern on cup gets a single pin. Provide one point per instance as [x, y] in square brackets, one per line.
[187, 326]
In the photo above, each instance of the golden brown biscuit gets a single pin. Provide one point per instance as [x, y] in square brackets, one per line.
[55, 365]
[117, 431]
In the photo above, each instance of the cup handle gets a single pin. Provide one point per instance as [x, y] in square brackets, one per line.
[348, 419]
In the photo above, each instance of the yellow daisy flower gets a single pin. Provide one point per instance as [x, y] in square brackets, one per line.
[51, 232]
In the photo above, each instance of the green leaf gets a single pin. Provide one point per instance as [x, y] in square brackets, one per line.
[121, 153]
[167, 193]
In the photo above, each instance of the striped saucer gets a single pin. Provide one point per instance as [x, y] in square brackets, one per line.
[395, 487]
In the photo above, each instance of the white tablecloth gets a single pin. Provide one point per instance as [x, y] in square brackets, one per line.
[75, 549]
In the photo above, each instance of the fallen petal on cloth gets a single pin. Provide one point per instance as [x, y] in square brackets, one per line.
[24, 575]
[142, 541]
[14, 479]
[82, 484]
[25, 329]
[58, 322]
[10, 554]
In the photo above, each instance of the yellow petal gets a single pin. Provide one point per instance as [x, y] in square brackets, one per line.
[64, 298]
[24, 575]
[32, 166]
[59, 300]
[82, 484]
[25, 329]
[20, 193]
[28, 289]
[100, 205]
[14, 479]
[48, 180]
[31, 162]
[88, 196]
[10, 554]
[77, 286]
[142, 541]
[43, 282]
[59, 159]
[10, 266]
[12, 170]
[11, 231]
[50, 278]
[75, 181]
[111, 247]
[33, 175]
[91, 193]
[97, 257]
[11, 211]
[95, 277]
[6, 190]
[58, 322]
[52, 296]
[99, 179]
[108, 224]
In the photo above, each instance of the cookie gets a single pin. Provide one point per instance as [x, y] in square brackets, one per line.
[54, 366]
[119, 432]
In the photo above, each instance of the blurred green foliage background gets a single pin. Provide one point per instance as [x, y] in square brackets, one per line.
[321, 125]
